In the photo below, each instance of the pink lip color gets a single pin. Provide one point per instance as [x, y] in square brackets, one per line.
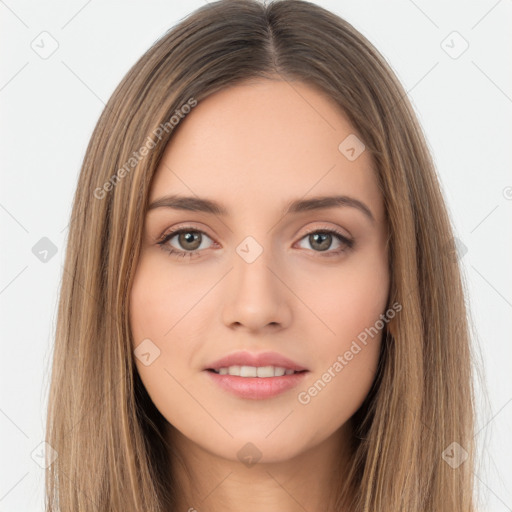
[244, 358]
[256, 388]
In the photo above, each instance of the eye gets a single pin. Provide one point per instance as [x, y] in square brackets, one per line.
[190, 242]
[321, 240]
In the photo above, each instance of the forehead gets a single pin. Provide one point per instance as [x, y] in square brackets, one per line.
[265, 143]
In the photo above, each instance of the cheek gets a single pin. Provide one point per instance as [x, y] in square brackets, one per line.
[346, 363]
[346, 300]
[160, 300]
[152, 315]
[350, 304]
[167, 321]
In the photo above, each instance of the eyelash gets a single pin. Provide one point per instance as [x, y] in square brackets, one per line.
[347, 242]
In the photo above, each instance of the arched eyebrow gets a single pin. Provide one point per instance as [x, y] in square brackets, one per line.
[198, 204]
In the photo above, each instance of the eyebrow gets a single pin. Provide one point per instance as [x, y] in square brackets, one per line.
[197, 204]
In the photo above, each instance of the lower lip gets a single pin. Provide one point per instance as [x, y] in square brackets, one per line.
[256, 388]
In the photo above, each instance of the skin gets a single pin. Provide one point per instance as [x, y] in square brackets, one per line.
[254, 148]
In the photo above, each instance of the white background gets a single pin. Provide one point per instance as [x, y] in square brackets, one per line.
[50, 106]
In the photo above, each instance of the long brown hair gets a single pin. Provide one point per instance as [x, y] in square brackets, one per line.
[108, 435]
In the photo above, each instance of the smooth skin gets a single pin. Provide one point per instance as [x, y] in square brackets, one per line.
[254, 148]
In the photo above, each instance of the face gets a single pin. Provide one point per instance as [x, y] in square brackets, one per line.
[304, 282]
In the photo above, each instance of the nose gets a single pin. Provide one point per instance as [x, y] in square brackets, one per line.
[256, 296]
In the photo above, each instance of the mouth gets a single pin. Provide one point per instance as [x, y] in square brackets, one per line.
[255, 376]
[262, 372]
[247, 364]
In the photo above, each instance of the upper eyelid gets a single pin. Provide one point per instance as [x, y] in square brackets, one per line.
[175, 231]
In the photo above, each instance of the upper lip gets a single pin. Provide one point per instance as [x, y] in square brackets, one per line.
[261, 359]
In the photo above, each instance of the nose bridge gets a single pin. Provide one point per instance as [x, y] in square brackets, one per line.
[252, 263]
[255, 296]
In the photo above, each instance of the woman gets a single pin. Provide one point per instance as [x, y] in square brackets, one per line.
[262, 306]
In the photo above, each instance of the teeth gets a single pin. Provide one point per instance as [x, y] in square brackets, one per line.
[253, 371]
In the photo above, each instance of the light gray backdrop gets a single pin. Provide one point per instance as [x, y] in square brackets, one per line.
[62, 60]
